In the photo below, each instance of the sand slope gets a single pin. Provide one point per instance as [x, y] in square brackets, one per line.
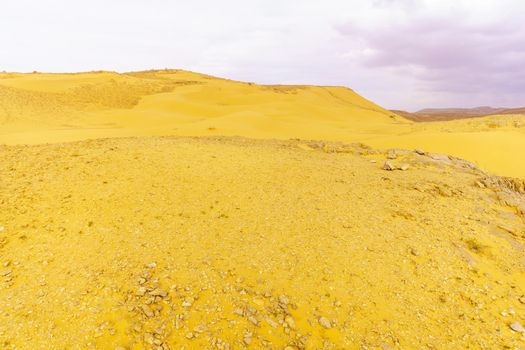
[56, 107]
[39, 108]
[171, 243]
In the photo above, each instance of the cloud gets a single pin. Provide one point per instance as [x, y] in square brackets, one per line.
[462, 54]
[400, 53]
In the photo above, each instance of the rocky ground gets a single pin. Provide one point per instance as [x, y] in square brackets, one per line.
[230, 243]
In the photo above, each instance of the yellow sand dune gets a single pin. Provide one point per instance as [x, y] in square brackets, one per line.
[40, 108]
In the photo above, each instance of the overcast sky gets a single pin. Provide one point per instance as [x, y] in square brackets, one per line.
[405, 54]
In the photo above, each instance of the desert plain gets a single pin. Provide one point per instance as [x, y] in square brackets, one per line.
[175, 210]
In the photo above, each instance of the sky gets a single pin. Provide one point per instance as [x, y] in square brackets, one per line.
[401, 54]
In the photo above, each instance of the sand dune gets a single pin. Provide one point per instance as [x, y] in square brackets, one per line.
[39, 108]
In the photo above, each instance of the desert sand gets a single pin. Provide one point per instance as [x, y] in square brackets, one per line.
[47, 108]
[173, 210]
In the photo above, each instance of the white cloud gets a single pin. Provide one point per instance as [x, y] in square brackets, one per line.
[386, 49]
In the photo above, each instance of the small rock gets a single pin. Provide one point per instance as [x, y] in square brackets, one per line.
[200, 328]
[158, 292]
[2, 228]
[253, 320]
[272, 323]
[391, 155]
[290, 321]
[6, 272]
[151, 265]
[189, 335]
[148, 338]
[517, 327]
[440, 157]
[325, 323]
[188, 302]
[388, 166]
[522, 299]
[283, 299]
[419, 151]
[147, 311]
[247, 339]
[141, 291]
[414, 252]
[404, 167]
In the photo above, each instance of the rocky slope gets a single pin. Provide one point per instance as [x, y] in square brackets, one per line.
[231, 243]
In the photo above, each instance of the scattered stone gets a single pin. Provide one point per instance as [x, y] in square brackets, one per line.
[272, 323]
[440, 157]
[389, 166]
[247, 339]
[253, 320]
[391, 155]
[147, 311]
[404, 167]
[189, 335]
[414, 251]
[283, 299]
[6, 272]
[517, 327]
[141, 291]
[200, 328]
[325, 322]
[151, 265]
[419, 151]
[290, 321]
[148, 338]
[159, 292]
[522, 299]
[188, 302]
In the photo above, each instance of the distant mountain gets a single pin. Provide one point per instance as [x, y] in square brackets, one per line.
[484, 110]
[443, 114]
[520, 110]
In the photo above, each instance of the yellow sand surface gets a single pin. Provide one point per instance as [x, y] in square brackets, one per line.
[133, 217]
[230, 243]
[41, 108]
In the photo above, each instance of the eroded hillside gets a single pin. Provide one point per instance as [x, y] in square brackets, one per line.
[218, 243]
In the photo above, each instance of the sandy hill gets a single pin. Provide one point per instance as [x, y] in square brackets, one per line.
[64, 107]
[221, 243]
[38, 108]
